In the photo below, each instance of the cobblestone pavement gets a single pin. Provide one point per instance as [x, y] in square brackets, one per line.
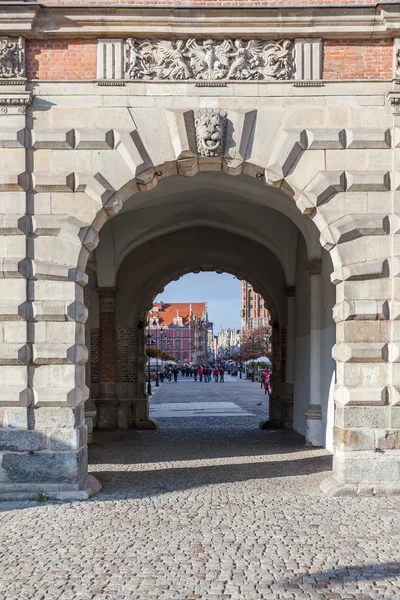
[206, 507]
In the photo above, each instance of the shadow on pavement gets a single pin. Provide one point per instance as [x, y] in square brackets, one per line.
[142, 447]
[139, 484]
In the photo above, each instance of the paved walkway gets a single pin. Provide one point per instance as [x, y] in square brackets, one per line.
[208, 507]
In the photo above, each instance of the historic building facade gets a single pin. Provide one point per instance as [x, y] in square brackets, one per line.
[179, 329]
[139, 143]
[228, 342]
[254, 313]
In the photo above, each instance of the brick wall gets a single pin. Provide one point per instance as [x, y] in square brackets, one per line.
[357, 59]
[61, 59]
[95, 355]
[126, 355]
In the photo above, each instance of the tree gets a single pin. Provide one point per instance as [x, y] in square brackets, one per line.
[255, 343]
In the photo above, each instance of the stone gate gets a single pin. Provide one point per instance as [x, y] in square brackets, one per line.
[141, 143]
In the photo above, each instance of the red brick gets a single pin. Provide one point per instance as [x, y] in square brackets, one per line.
[61, 60]
[357, 59]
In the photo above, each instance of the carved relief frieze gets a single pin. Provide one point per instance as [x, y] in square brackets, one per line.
[209, 60]
[210, 131]
[12, 58]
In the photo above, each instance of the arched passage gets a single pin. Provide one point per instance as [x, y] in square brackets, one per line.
[97, 180]
[209, 227]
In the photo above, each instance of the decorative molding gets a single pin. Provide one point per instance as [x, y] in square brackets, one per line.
[308, 57]
[16, 103]
[350, 21]
[308, 84]
[209, 60]
[110, 58]
[210, 131]
[12, 57]
[394, 102]
[396, 57]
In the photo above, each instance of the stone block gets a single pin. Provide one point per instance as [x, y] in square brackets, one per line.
[54, 467]
[287, 151]
[65, 439]
[395, 417]
[365, 181]
[349, 440]
[49, 417]
[22, 440]
[324, 139]
[368, 417]
[368, 138]
[388, 440]
[361, 310]
[360, 353]
[182, 133]
[367, 468]
[364, 396]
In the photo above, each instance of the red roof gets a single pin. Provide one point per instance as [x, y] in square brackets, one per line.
[168, 311]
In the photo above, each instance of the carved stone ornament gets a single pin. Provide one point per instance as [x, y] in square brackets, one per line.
[12, 58]
[394, 101]
[210, 131]
[232, 60]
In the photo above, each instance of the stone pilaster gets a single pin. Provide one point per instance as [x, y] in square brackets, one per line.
[313, 413]
[107, 400]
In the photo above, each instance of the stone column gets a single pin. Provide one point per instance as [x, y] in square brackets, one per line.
[313, 413]
[107, 400]
[290, 356]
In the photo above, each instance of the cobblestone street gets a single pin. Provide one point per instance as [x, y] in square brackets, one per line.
[209, 506]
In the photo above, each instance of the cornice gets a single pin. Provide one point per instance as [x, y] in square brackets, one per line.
[365, 21]
[17, 18]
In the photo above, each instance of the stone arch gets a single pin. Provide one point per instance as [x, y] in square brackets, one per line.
[75, 197]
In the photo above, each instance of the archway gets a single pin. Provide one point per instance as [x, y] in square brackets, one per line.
[176, 237]
[294, 168]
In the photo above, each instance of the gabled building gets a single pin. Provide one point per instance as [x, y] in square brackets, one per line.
[180, 329]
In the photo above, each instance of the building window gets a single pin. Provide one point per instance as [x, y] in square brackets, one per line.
[250, 323]
[260, 321]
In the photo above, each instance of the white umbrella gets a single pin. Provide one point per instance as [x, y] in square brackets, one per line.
[261, 359]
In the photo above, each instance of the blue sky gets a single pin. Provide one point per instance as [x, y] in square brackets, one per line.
[221, 292]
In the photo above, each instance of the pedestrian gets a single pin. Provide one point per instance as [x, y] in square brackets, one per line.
[195, 373]
[266, 383]
[176, 373]
[201, 374]
[221, 375]
[216, 373]
[262, 379]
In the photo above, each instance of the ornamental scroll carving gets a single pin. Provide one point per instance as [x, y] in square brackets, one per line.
[12, 58]
[230, 60]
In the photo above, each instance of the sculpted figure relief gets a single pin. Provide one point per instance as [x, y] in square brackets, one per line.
[12, 58]
[210, 130]
[209, 60]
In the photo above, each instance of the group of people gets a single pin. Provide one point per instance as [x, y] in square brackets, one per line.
[204, 373]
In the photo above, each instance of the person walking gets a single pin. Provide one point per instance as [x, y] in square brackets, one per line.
[221, 375]
[195, 373]
[266, 383]
[216, 373]
[176, 372]
[201, 374]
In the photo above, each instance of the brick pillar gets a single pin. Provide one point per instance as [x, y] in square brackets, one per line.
[107, 400]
